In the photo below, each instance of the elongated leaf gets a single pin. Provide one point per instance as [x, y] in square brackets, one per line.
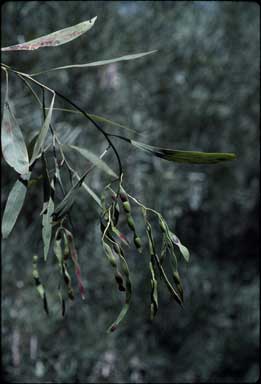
[68, 200]
[99, 119]
[13, 144]
[184, 250]
[54, 39]
[90, 191]
[13, 206]
[39, 143]
[191, 157]
[94, 159]
[99, 63]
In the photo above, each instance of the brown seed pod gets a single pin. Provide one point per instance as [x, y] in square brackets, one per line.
[123, 197]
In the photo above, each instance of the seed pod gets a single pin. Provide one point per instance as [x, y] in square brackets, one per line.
[109, 254]
[123, 196]
[177, 281]
[126, 206]
[131, 223]
[137, 242]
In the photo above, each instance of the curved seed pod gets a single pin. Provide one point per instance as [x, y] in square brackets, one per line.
[156, 259]
[154, 292]
[177, 281]
[125, 270]
[68, 281]
[39, 285]
[163, 249]
[109, 254]
[168, 284]
[131, 223]
[112, 260]
[154, 284]
[74, 257]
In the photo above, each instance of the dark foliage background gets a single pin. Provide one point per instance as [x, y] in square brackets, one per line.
[200, 91]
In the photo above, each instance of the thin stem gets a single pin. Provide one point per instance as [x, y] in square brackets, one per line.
[96, 125]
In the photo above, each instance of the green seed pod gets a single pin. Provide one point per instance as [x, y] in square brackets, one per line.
[126, 206]
[177, 281]
[137, 242]
[131, 223]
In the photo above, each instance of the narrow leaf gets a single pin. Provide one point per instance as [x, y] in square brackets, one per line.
[13, 206]
[190, 157]
[39, 143]
[94, 159]
[13, 144]
[99, 63]
[184, 251]
[54, 39]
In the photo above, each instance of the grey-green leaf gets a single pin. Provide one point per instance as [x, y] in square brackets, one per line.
[13, 207]
[54, 39]
[184, 251]
[39, 143]
[99, 63]
[94, 159]
[191, 157]
[13, 144]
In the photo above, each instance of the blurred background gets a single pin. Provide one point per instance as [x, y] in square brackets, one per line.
[200, 91]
